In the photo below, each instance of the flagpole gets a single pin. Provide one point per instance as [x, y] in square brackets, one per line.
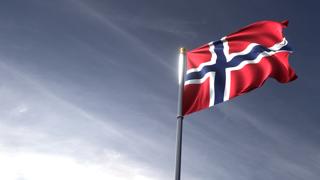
[182, 69]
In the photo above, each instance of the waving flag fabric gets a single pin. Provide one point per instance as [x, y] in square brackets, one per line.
[236, 64]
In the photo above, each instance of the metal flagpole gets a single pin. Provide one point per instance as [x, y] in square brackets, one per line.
[182, 69]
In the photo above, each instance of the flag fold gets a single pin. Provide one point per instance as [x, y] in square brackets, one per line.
[236, 64]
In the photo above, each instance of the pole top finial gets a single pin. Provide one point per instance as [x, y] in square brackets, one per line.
[183, 50]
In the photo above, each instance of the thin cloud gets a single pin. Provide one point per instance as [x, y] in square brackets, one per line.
[49, 122]
[129, 37]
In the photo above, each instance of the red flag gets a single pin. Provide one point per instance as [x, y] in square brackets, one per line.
[236, 64]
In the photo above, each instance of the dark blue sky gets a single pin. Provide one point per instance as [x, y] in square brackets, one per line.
[88, 90]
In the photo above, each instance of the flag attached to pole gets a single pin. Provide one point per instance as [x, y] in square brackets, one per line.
[236, 64]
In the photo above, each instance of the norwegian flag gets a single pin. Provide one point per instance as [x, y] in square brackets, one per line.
[236, 64]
